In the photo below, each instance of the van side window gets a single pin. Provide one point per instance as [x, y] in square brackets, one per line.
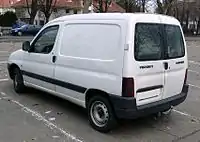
[45, 41]
[175, 45]
[148, 42]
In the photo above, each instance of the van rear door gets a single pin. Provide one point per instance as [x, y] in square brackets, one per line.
[148, 67]
[175, 60]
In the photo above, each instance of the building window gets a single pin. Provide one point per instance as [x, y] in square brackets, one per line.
[55, 10]
[75, 11]
[67, 10]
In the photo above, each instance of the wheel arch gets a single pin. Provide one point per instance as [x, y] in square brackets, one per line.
[93, 92]
[11, 69]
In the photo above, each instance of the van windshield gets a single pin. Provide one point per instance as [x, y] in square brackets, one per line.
[158, 42]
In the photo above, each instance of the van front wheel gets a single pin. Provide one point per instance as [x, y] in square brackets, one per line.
[18, 81]
[101, 115]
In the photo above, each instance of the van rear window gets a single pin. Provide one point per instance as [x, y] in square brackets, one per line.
[158, 42]
[174, 39]
[148, 42]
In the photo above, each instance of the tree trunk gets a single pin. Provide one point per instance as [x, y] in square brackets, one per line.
[32, 10]
[160, 7]
[187, 19]
[47, 16]
[198, 25]
[101, 10]
[143, 5]
[31, 20]
[87, 4]
[32, 16]
[126, 6]
[106, 6]
[183, 13]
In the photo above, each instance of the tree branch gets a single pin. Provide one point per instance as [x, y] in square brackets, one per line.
[28, 6]
[54, 4]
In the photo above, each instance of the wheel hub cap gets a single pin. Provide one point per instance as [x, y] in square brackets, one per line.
[99, 113]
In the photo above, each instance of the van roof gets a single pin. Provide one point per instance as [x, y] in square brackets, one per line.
[116, 16]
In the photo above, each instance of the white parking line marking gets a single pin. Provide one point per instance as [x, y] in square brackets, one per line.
[47, 112]
[3, 94]
[5, 79]
[194, 62]
[194, 71]
[194, 86]
[49, 124]
[3, 62]
[52, 119]
[182, 113]
[186, 114]
[3, 51]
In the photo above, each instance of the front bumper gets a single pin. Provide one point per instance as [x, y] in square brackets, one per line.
[126, 108]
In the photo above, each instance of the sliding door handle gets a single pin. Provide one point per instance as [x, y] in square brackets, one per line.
[165, 65]
[54, 59]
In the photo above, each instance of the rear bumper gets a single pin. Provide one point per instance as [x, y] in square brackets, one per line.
[126, 108]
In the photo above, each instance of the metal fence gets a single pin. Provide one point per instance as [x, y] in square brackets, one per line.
[5, 31]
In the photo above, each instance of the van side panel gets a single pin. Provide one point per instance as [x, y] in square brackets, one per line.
[90, 56]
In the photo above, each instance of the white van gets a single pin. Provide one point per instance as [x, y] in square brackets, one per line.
[117, 66]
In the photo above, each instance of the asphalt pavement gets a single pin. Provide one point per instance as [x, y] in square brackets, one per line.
[40, 117]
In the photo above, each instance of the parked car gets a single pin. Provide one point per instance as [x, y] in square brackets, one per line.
[26, 30]
[117, 66]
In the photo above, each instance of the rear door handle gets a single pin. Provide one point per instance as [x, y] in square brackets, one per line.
[165, 65]
[54, 59]
[180, 62]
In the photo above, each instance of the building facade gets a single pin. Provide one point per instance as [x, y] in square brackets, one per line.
[61, 8]
[5, 5]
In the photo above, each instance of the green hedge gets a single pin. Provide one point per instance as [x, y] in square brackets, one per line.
[7, 19]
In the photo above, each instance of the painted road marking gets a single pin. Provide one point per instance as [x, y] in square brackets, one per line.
[194, 86]
[4, 51]
[5, 79]
[3, 62]
[194, 62]
[186, 114]
[194, 71]
[182, 113]
[41, 118]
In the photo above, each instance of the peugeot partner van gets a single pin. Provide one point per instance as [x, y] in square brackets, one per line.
[116, 65]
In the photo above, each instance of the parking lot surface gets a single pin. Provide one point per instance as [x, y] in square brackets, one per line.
[40, 117]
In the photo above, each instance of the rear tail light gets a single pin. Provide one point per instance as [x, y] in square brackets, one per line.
[186, 73]
[128, 87]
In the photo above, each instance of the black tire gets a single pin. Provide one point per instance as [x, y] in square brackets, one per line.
[111, 121]
[19, 33]
[18, 81]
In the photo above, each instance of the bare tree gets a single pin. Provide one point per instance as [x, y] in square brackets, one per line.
[86, 4]
[134, 5]
[165, 6]
[131, 5]
[143, 5]
[47, 7]
[32, 8]
[102, 5]
[197, 9]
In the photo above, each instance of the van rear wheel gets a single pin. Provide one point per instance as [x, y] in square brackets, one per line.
[101, 115]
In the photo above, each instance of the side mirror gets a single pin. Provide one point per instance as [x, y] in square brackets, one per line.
[26, 46]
